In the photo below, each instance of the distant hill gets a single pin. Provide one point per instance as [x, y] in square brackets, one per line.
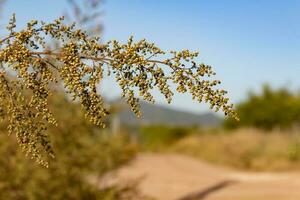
[154, 114]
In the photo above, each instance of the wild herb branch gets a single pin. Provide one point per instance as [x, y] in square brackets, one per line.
[29, 66]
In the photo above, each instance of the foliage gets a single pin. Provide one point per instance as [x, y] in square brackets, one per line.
[83, 150]
[247, 149]
[159, 136]
[29, 68]
[272, 108]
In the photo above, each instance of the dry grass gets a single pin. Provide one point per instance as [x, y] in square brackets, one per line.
[250, 149]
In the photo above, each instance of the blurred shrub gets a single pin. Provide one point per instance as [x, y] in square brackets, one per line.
[155, 137]
[272, 108]
[81, 150]
[250, 149]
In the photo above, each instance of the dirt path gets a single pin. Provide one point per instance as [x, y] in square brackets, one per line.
[178, 177]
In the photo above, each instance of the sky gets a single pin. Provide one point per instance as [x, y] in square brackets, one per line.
[248, 42]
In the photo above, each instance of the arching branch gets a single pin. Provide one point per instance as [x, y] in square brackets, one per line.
[80, 63]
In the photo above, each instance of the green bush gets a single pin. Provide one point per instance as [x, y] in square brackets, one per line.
[270, 109]
[82, 150]
[156, 137]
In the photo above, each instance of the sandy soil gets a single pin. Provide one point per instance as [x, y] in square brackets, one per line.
[178, 177]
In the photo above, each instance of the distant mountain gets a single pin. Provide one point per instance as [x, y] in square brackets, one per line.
[154, 114]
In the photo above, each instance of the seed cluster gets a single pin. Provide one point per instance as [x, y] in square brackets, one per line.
[29, 68]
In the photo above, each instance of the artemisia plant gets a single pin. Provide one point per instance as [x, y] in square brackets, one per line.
[29, 68]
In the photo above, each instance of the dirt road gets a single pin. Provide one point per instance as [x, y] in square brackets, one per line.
[178, 177]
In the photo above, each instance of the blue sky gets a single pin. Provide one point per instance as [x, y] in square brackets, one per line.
[248, 43]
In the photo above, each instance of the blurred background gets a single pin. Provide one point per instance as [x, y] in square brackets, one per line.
[182, 150]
